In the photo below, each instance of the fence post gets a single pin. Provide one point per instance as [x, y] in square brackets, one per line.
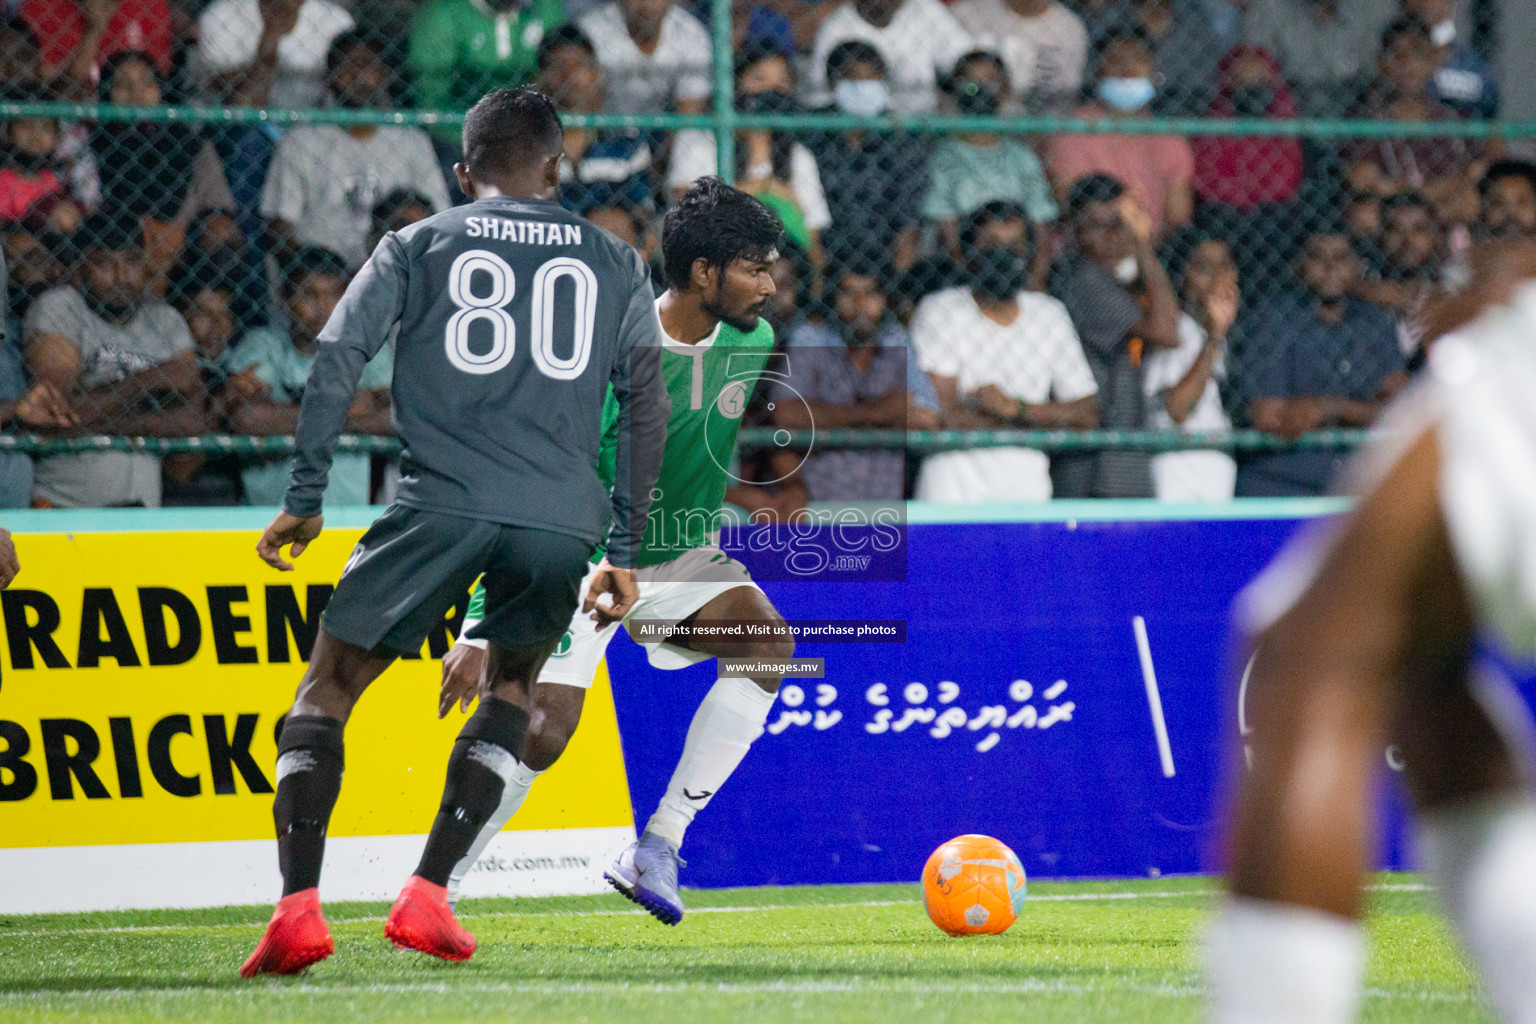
[725, 89]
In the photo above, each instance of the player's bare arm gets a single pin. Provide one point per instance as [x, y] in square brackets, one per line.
[10, 565]
[288, 531]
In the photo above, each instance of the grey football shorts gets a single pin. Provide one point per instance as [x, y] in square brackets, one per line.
[412, 566]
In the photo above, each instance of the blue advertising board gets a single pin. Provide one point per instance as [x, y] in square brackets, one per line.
[1019, 706]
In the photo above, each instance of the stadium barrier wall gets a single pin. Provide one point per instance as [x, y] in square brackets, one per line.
[1021, 705]
[147, 657]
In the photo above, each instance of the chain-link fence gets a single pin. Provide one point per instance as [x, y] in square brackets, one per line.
[1118, 248]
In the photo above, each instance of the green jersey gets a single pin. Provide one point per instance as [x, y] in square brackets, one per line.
[709, 384]
[462, 49]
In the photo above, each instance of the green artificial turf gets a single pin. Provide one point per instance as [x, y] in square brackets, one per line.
[1081, 952]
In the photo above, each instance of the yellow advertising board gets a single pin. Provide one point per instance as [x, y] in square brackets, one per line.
[142, 675]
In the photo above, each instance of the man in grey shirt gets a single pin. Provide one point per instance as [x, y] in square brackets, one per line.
[125, 361]
[514, 318]
[1117, 327]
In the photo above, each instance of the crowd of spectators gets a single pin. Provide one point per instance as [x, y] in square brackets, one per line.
[170, 279]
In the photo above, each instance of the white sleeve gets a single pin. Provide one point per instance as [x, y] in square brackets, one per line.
[282, 196]
[225, 39]
[469, 641]
[805, 176]
[697, 58]
[693, 157]
[1166, 367]
[429, 172]
[1071, 377]
[949, 39]
[931, 338]
[816, 92]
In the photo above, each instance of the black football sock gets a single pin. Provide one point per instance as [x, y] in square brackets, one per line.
[309, 765]
[484, 756]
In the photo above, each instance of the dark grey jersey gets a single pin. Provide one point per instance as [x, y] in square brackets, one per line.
[514, 316]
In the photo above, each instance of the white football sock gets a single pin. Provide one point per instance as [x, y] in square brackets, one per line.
[513, 793]
[729, 719]
[1483, 855]
[1277, 963]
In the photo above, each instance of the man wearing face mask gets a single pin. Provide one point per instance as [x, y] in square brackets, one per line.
[125, 365]
[1157, 169]
[858, 370]
[1124, 307]
[1463, 81]
[325, 179]
[874, 181]
[974, 168]
[918, 39]
[1000, 356]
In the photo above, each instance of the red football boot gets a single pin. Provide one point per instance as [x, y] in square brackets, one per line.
[421, 920]
[296, 937]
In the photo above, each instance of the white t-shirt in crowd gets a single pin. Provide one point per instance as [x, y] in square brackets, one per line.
[325, 182]
[1045, 54]
[639, 83]
[922, 42]
[1191, 475]
[229, 30]
[1037, 358]
[694, 156]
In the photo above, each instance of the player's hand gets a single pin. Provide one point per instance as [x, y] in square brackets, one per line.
[462, 666]
[616, 582]
[286, 530]
[10, 565]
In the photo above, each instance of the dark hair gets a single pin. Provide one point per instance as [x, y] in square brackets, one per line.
[855, 51]
[755, 51]
[510, 130]
[1180, 248]
[569, 34]
[17, 26]
[991, 213]
[106, 231]
[310, 261]
[1122, 35]
[1092, 189]
[1411, 28]
[843, 257]
[1507, 168]
[113, 64]
[1408, 199]
[395, 201]
[1326, 226]
[952, 80]
[349, 40]
[199, 276]
[718, 224]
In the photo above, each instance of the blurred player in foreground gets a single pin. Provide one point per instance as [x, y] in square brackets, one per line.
[1364, 636]
[515, 317]
[719, 247]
